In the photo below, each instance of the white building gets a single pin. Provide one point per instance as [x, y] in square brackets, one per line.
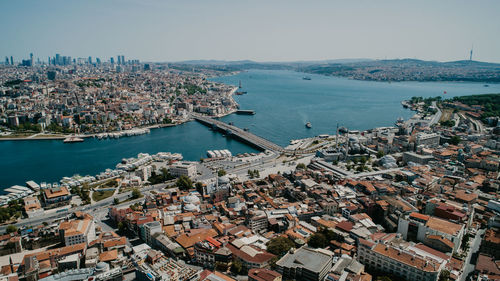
[183, 169]
[150, 229]
[77, 231]
[430, 140]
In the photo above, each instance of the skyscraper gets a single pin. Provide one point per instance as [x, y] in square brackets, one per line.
[58, 59]
[119, 59]
[31, 59]
[6, 60]
[11, 60]
[112, 60]
[90, 60]
[123, 59]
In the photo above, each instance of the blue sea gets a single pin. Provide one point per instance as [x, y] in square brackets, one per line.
[283, 103]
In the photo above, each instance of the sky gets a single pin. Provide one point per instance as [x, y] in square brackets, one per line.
[270, 30]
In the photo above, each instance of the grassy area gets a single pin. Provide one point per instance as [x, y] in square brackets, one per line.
[100, 195]
[447, 114]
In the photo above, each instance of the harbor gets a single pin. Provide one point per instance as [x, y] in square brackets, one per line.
[323, 101]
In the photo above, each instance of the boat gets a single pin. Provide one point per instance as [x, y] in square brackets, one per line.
[71, 139]
[308, 125]
[246, 129]
[239, 93]
[306, 78]
[343, 130]
[486, 85]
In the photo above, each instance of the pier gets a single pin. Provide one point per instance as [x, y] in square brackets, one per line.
[245, 112]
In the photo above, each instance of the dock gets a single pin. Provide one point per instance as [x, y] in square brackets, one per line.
[245, 112]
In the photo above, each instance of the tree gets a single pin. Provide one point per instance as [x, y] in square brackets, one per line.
[221, 172]
[444, 275]
[199, 187]
[136, 193]
[301, 166]
[121, 227]
[380, 154]
[279, 245]
[455, 140]
[11, 229]
[236, 266]
[184, 182]
[317, 240]
[116, 201]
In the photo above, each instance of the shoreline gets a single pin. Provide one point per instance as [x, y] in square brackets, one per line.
[46, 136]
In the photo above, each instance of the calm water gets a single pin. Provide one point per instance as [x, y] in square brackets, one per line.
[283, 103]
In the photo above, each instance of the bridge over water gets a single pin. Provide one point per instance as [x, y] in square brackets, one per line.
[238, 133]
[246, 136]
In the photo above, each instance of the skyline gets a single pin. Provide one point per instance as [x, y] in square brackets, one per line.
[280, 31]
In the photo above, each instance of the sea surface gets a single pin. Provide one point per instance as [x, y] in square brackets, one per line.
[283, 103]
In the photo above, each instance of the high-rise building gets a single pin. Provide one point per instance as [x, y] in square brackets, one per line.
[123, 59]
[58, 59]
[119, 59]
[6, 61]
[112, 60]
[11, 60]
[90, 60]
[31, 58]
[98, 60]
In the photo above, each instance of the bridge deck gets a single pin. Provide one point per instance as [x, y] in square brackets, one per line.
[242, 134]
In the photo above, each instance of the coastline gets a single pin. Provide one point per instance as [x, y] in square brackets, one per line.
[46, 136]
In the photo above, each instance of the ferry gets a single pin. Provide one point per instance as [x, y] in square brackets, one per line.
[71, 139]
[308, 125]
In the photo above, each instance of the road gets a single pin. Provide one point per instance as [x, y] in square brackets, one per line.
[473, 249]
[103, 204]
[436, 116]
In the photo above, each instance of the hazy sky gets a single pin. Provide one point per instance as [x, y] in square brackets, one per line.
[156, 30]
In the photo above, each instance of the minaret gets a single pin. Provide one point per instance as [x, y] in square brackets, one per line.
[11, 265]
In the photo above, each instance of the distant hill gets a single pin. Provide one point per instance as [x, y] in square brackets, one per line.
[365, 69]
[411, 70]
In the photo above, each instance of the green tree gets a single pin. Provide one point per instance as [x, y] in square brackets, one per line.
[236, 266]
[300, 166]
[121, 227]
[11, 229]
[444, 275]
[317, 240]
[184, 182]
[136, 193]
[116, 201]
[455, 140]
[279, 245]
[380, 154]
[221, 172]
[199, 187]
